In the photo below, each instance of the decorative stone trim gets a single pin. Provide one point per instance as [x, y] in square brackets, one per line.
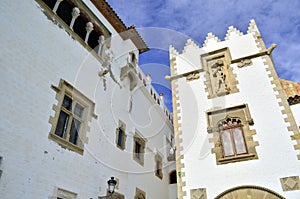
[198, 193]
[139, 194]
[189, 42]
[291, 183]
[282, 98]
[232, 31]
[249, 191]
[177, 125]
[211, 38]
[244, 63]
[61, 193]
[213, 119]
[219, 77]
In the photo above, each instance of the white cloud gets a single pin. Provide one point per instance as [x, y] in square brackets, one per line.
[278, 21]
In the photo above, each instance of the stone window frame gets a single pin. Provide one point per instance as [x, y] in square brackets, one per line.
[214, 117]
[139, 140]
[139, 194]
[115, 195]
[66, 89]
[216, 56]
[158, 164]
[65, 194]
[121, 126]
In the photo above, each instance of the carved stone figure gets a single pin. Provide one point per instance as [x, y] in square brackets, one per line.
[219, 84]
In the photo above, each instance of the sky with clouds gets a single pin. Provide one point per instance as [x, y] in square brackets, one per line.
[164, 22]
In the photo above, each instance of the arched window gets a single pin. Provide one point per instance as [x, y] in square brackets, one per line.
[232, 137]
[172, 177]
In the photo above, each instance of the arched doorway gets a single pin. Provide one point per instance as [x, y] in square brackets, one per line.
[249, 192]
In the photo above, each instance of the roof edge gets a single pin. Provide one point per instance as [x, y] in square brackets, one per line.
[117, 23]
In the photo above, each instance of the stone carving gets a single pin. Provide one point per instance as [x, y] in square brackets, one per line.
[193, 76]
[244, 63]
[219, 76]
[290, 183]
[198, 193]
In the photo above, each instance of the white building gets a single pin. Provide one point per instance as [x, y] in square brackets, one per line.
[75, 113]
[236, 132]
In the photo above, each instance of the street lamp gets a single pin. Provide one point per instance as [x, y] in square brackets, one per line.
[111, 185]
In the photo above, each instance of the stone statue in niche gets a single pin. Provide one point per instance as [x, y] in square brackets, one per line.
[219, 81]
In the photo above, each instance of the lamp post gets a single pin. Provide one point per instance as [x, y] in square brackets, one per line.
[111, 186]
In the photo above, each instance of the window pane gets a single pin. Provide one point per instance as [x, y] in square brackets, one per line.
[78, 110]
[74, 132]
[227, 144]
[67, 103]
[62, 124]
[120, 138]
[137, 150]
[239, 141]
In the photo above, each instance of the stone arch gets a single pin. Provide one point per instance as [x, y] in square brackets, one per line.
[249, 192]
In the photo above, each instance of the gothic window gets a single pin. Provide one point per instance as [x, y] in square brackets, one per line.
[139, 149]
[158, 166]
[231, 134]
[121, 135]
[69, 125]
[232, 137]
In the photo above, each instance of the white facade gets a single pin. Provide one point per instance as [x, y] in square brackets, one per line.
[257, 86]
[36, 54]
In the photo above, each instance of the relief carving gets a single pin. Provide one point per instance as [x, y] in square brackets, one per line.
[198, 193]
[193, 76]
[219, 70]
[244, 63]
[290, 183]
[220, 79]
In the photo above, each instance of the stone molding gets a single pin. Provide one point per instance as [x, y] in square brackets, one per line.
[291, 183]
[177, 126]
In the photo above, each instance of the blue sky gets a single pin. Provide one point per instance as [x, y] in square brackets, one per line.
[278, 22]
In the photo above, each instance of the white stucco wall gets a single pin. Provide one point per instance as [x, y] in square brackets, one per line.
[35, 54]
[296, 113]
[277, 156]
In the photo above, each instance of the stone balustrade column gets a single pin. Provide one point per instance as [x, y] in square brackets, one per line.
[56, 5]
[89, 28]
[75, 14]
[101, 41]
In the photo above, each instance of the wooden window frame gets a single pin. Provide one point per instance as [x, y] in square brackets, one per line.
[232, 139]
[66, 89]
